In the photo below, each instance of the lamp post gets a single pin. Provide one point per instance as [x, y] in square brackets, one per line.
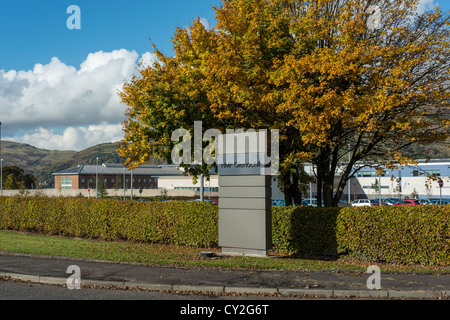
[202, 188]
[1, 177]
[1, 162]
[441, 185]
[131, 185]
[96, 179]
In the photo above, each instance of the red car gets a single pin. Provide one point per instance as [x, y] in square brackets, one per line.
[407, 203]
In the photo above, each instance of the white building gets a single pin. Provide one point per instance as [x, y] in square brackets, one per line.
[412, 181]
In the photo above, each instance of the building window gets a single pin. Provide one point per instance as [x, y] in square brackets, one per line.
[415, 173]
[66, 183]
[366, 174]
[374, 187]
[369, 174]
[437, 173]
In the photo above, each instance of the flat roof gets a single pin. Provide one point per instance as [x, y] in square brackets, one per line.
[119, 169]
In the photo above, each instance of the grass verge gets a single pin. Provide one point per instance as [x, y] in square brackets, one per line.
[179, 256]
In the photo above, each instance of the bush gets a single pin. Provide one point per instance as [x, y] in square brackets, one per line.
[306, 230]
[403, 234]
[394, 234]
[173, 222]
[406, 235]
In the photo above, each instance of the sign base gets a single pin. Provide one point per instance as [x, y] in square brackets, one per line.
[243, 252]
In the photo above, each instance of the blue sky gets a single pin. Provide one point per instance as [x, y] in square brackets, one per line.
[35, 31]
[58, 87]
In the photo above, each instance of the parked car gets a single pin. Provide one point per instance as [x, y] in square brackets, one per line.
[305, 203]
[438, 201]
[313, 203]
[278, 202]
[310, 202]
[425, 201]
[361, 203]
[377, 203]
[343, 204]
[391, 201]
[407, 203]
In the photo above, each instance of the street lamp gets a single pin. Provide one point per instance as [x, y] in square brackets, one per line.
[1, 162]
[123, 183]
[1, 177]
[96, 179]
[131, 185]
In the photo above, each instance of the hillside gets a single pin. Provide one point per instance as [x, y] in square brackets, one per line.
[43, 163]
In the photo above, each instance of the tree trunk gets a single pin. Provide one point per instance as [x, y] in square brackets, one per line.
[288, 194]
[327, 191]
[296, 194]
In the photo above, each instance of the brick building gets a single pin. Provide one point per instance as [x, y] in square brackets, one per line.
[114, 176]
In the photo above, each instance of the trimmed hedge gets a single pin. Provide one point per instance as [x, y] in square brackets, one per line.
[306, 230]
[393, 234]
[173, 222]
[406, 235]
[396, 234]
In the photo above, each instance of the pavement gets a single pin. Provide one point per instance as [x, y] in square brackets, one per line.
[320, 284]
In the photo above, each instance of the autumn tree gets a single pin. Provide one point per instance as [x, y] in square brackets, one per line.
[16, 178]
[341, 86]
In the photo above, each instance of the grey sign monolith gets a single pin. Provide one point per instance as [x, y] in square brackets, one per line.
[245, 219]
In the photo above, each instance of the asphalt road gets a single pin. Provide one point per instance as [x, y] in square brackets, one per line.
[17, 290]
[30, 299]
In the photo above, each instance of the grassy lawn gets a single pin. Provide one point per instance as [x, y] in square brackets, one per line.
[176, 255]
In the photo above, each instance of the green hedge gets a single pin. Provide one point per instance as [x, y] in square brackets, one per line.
[173, 222]
[397, 234]
[408, 235]
[306, 230]
[394, 234]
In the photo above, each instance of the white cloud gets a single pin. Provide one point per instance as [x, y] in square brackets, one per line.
[56, 95]
[148, 59]
[205, 23]
[72, 138]
[425, 5]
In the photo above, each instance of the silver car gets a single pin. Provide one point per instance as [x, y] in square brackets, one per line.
[361, 203]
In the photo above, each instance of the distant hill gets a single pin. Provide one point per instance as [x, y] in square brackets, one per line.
[43, 163]
[438, 150]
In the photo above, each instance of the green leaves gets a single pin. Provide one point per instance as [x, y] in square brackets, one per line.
[409, 234]
[174, 222]
[402, 235]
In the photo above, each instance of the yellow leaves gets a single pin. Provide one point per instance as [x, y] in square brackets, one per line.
[314, 70]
